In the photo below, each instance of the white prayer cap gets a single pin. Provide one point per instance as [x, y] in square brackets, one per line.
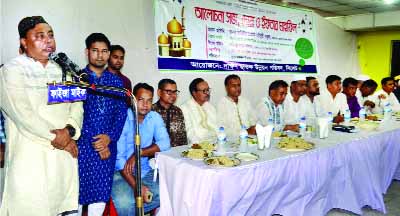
[362, 77]
[298, 77]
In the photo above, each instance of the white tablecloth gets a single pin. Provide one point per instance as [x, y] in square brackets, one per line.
[346, 171]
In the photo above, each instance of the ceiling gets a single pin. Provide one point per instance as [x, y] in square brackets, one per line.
[330, 8]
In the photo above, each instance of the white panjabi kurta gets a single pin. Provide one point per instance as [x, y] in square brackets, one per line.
[313, 108]
[233, 115]
[380, 103]
[200, 121]
[39, 180]
[293, 110]
[361, 100]
[335, 105]
[267, 109]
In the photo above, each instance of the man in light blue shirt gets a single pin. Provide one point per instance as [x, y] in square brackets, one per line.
[154, 138]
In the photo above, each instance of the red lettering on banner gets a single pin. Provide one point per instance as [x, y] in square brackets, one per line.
[245, 20]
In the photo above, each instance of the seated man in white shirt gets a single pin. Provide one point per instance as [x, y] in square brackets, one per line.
[366, 90]
[235, 111]
[271, 109]
[313, 106]
[386, 96]
[361, 78]
[200, 116]
[294, 102]
[332, 100]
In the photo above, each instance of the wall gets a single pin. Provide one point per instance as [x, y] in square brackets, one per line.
[130, 23]
[374, 50]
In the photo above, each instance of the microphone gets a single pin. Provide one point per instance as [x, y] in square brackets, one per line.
[67, 65]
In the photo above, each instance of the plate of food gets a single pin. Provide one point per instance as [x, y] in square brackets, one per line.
[396, 114]
[204, 145]
[196, 154]
[222, 161]
[368, 125]
[374, 117]
[295, 144]
[279, 134]
[247, 156]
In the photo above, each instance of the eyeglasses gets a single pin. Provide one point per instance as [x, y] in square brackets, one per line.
[171, 92]
[205, 91]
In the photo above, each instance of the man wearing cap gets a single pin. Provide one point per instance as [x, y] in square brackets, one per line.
[294, 102]
[41, 177]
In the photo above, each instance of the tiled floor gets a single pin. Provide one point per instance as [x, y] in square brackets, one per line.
[392, 202]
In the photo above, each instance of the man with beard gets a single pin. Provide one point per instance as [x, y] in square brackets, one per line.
[312, 104]
[172, 115]
[234, 110]
[104, 117]
[115, 64]
[349, 89]
[332, 100]
[294, 102]
[386, 96]
[40, 168]
[271, 108]
[200, 115]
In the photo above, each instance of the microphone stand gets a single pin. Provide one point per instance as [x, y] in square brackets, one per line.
[138, 150]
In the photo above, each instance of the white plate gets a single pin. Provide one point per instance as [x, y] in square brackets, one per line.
[293, 150]
[246, 156]
[208, 162]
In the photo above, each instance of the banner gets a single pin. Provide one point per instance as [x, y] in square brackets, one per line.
[234, 35]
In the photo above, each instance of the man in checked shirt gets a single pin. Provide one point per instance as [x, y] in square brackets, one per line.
[171, 114]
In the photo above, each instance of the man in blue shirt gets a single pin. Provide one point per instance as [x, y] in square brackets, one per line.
[154, 138]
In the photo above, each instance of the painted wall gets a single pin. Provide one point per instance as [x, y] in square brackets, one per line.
[374, 50]
[131, 24]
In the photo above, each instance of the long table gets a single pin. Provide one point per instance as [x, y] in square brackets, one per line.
[346, 171]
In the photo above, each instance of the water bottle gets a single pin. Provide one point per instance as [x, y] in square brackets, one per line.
[362, 114]
[347, 116]
[302, 126]
[387, 112]
[243, 139]
[330, 121]
[221, 137]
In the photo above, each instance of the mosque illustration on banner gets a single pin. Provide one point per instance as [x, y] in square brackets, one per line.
[175, 42]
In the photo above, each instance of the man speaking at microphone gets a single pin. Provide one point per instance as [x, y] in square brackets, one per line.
[41, 177]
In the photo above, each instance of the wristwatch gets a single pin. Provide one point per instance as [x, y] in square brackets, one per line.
[71, 130]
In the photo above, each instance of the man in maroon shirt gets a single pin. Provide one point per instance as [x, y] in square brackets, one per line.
[115, 63]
